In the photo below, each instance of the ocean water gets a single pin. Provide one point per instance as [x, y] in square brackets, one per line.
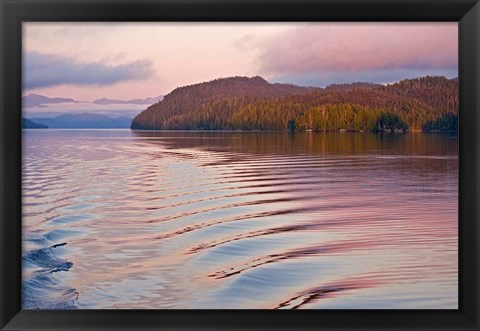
[157, 220]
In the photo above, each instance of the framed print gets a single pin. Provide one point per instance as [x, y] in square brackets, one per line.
[209, 165]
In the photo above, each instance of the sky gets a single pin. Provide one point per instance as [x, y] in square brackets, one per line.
[88, 61]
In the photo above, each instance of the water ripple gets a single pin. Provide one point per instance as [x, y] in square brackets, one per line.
[121, 219]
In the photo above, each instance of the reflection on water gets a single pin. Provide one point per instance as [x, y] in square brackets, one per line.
[121, 219]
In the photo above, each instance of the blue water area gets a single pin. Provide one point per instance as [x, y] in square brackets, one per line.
[158, 220]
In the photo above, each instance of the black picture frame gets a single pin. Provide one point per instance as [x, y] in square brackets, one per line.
[14, 12]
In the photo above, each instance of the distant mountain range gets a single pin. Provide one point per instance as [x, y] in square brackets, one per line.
[242, 103]
[83, 121]
[28, 124]
[146, 101]
[36, 100]
[70, 113]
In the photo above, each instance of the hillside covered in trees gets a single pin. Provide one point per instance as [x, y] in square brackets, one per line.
[241, 103]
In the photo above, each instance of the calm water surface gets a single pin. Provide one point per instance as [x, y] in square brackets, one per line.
[121, 219]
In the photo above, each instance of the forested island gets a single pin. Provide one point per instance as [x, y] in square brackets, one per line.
[242, 103]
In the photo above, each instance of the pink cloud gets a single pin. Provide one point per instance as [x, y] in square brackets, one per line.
[357, 47]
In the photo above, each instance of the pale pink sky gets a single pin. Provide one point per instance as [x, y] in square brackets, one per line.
[87, 61]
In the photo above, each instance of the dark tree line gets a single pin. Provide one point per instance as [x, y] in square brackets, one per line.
[448, 122]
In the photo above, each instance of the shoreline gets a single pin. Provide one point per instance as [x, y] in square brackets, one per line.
[243, 131]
